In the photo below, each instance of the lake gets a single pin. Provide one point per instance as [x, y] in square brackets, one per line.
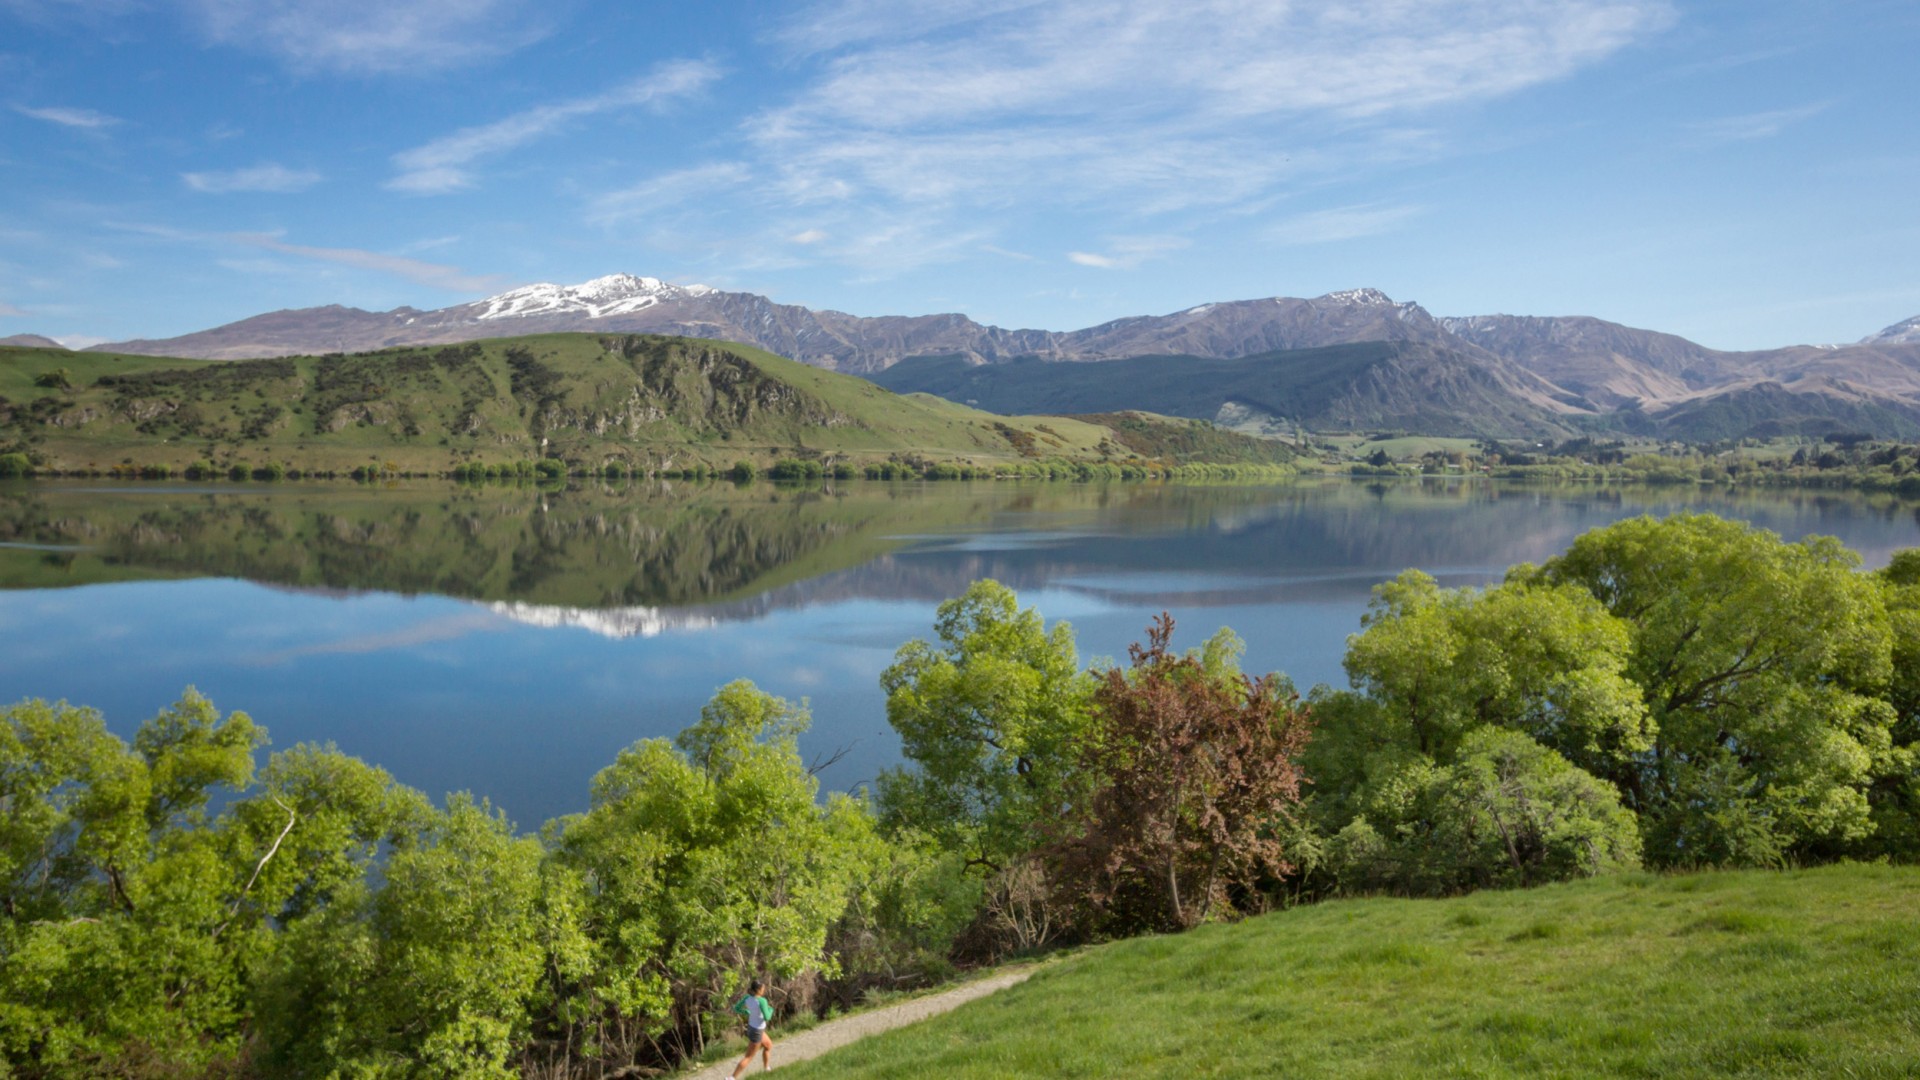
[509, 641]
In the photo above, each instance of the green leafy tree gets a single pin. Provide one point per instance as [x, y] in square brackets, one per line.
[705, 860]
[115, 956]
[1431, 666]
[1764, 667]
[991, 717]
[1895, 794]
[431, 974]
[1505, 811]
[1547, 661]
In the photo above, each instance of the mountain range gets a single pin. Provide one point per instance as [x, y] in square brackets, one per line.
[1529, 375]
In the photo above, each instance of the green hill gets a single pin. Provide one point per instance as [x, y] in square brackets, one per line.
[641, 402]
[1804, 974]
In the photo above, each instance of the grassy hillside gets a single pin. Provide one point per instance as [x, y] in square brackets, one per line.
[1804, 974]
[645, 403]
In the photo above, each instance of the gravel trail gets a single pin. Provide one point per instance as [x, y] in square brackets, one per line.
[837, 1033]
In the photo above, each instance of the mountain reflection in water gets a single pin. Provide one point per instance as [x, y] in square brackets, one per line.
[511, 640]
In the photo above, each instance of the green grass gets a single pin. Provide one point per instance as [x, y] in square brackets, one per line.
[1803, 974]
[20, 367]
[641, 402]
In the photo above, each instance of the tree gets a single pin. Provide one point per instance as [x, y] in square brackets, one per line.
[992, 718]
[1895, 794]
[431, 974]
[1547, 661]
[114, 954]
[705, 860]
[1764, 667]
[1505, 811]
[1197, 771]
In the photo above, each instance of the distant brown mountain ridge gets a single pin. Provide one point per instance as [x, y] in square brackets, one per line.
[1575, 372]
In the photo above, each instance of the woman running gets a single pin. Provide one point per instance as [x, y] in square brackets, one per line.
[759, 1013]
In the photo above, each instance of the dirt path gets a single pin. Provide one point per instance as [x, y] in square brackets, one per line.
[837, 1033]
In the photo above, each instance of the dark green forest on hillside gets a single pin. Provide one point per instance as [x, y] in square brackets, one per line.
[1676, 694]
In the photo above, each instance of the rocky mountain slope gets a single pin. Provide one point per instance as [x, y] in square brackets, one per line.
[1397, 385]
[1905, 332]
[30, 341]
[1644, 374]
[1585, 371]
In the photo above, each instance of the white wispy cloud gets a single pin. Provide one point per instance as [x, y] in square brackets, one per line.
[267, 177]
[807, 236]
[374, 36]
[8, 311]
[1341, 223]
[1083, 90]
[442, 165]
[1125, 253]
[1749, 126]
[668, 189]
[85, 119]
[963, 117]
[433, 275]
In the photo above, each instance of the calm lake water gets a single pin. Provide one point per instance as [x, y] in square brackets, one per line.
[510, 641]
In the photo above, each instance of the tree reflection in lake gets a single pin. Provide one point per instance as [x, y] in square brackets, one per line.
[511, 640]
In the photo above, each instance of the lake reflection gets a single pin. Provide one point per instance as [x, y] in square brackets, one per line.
[510, 641]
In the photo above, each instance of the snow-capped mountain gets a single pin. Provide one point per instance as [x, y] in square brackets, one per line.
[603, 297]
[830, 339]
[1901, 333]
[1566, 365]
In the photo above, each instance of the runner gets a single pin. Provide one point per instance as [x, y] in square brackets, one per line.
[759, 1013]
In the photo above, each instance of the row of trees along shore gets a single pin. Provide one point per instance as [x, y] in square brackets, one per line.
[1680, 693]
[1855, 462]
[554, 470]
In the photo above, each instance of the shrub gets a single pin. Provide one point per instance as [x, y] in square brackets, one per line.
[1508, 811]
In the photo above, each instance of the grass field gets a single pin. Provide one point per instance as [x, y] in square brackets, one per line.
[1793, 974]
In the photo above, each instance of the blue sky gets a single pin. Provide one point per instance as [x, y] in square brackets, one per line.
[1741, 172]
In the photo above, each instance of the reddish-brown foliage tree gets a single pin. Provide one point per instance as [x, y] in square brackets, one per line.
[1197, 771]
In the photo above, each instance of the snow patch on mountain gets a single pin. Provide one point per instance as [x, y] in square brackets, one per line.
[615, 294]
[620, 623]
[1900, 333]
[1359, 296]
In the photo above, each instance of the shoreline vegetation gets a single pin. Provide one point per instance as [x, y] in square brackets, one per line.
[1855, 462]
[557, 406]
[1677, 694]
